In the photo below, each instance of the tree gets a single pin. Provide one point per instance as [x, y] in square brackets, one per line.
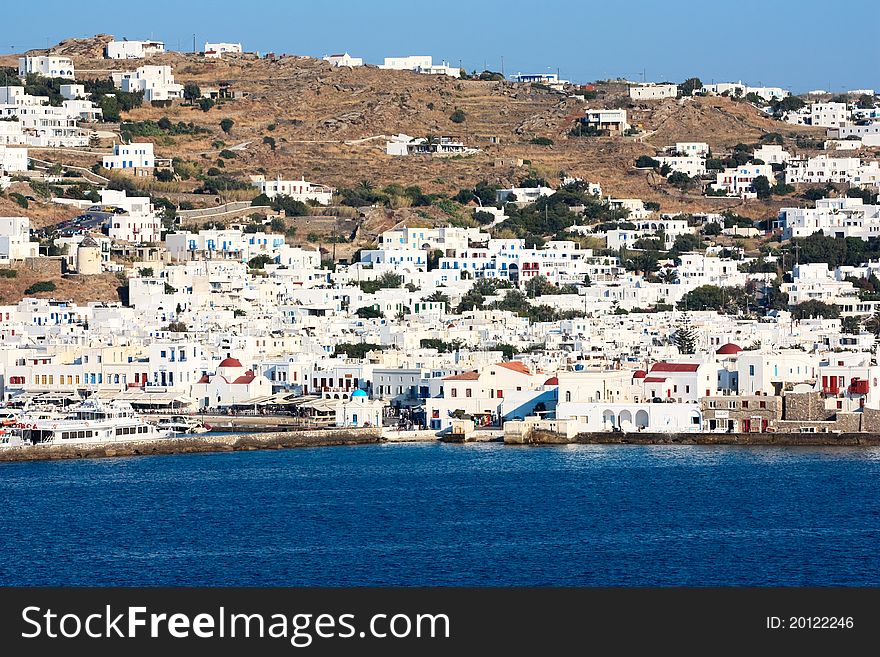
[704, 297]
[457, 116]
[356, 350]
[644, 263]
[712, 229]
[646, 162]
[260, 261]
[685, 337]
[689, 86]
[680, 179]
[226, 125]
[438, 297]
[165, 175]
[687, 242]
[42, 286]
[206, 104]
[812, 308]
[191, 92]
[270, 142]
[850, 325]
[369, 312]
[668, 276]
[872, 324]
[761, 185]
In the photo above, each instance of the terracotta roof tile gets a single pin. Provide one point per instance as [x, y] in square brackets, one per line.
[674, 367]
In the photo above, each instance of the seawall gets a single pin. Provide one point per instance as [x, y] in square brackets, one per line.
[194, 444]
[539, 437]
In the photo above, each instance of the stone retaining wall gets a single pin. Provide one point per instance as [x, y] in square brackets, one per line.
[538, 437]
[194, 444]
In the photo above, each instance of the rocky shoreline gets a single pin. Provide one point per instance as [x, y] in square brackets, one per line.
[195, 444]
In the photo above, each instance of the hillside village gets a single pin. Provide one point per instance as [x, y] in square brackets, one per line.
[411, 245]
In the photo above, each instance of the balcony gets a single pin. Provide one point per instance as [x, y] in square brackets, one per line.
[859, 387]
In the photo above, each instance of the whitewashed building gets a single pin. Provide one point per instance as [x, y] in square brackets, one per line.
[837, 217]
[138, 223]
[156, 83]
[298, 190]
[741, 89]
[420, 64]
[612, 120]
[217, 50]
[15, 239]
[49, 66]
[523, 195]
[441, 146]
[136, 158]
[133, 49]
[13, 160]
[824, 169]
[772, 154]
[653, 91]
[344, 59]
[687, 164]
[738, 181]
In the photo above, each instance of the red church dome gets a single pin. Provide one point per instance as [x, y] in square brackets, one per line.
[640, 374]
[728, 349]
[230, 362]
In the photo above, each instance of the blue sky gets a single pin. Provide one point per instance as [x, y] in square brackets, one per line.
[770, 42]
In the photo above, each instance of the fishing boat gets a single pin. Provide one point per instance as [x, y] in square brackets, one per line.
[89, 422]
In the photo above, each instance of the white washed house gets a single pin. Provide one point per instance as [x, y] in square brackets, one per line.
[298, 190]
[136, 158]
[49, 66]
[133, 49]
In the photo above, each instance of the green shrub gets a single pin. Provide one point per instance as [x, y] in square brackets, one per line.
[42, 286]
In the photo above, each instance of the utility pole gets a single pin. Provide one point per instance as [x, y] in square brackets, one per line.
[194, 44]
[502, 66]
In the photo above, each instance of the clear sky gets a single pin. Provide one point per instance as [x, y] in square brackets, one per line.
[771, 42]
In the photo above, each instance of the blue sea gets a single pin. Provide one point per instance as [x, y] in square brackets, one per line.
[431, 514]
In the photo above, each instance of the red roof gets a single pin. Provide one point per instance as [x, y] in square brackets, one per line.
[205, 379]
[663, 366]
[516, 366]
[245, 378]
[640, 374]
[467, 376]
[729, 349]
[655, 379]
[230, 362]
[552, 381]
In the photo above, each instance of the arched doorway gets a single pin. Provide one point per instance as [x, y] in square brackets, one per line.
[608, 418]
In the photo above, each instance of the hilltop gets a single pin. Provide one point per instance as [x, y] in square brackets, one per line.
[329, 125]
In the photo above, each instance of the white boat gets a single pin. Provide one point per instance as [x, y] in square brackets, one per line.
[181, 424]
[89, 422]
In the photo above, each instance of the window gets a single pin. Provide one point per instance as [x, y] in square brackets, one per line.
[467, 392]
[453, 392]
[751, 370]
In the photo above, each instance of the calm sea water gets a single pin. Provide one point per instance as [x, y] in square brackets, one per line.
[447, 515]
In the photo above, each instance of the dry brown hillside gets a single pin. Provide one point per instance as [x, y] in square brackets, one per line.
[328, 125]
